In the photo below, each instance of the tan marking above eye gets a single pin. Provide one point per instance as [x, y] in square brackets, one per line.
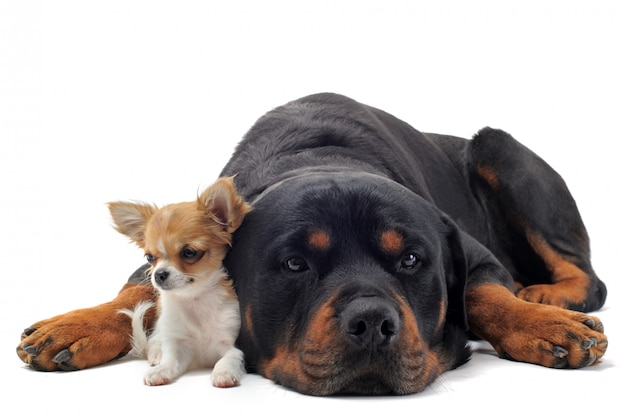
[392, 242]
[319, 239]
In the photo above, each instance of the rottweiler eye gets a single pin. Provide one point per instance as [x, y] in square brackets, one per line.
[410, 261]
[296, 264]
[150, 258]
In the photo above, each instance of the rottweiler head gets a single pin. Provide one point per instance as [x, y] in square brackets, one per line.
[349, 283]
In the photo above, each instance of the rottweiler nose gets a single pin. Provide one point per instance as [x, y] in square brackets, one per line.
[370, 322]
[161, 275]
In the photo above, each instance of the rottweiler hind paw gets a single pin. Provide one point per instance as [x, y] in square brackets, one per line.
[556, 338]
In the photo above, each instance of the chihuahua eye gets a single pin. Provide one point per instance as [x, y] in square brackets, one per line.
[150, 258]
[190, 255]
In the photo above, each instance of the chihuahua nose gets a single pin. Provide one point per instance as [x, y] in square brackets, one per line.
[161, 275]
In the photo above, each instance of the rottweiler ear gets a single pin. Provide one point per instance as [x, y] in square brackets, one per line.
[456, 275]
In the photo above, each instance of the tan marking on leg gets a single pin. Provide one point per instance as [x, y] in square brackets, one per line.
[489, 175]
[247, 321]
[570, 284]
[534, 333]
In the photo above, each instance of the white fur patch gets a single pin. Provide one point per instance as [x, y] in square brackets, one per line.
[196, 328]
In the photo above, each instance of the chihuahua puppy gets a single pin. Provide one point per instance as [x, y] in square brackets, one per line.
[198, 316]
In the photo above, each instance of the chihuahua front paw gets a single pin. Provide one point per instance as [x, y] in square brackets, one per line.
[225, 379]
[161, 375]
[154, 354]
[229, 370]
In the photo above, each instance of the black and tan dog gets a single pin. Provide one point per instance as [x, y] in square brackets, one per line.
[374, 251]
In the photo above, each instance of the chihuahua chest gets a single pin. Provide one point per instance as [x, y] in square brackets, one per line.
[204, 325]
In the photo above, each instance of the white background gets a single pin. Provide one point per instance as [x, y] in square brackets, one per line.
[145, 100]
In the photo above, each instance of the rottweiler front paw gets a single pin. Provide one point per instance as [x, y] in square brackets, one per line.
[83, 338]
[76, 340]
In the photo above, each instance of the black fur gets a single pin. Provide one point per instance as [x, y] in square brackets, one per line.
[326, 162]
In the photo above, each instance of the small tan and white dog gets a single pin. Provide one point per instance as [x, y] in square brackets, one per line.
[198, 316]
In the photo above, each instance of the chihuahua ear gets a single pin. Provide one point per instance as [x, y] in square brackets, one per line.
[222, 202]
[131, 218]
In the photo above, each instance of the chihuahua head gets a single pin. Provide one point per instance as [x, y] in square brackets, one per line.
[185, 243]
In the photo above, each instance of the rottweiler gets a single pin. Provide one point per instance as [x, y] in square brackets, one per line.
[375, 252]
